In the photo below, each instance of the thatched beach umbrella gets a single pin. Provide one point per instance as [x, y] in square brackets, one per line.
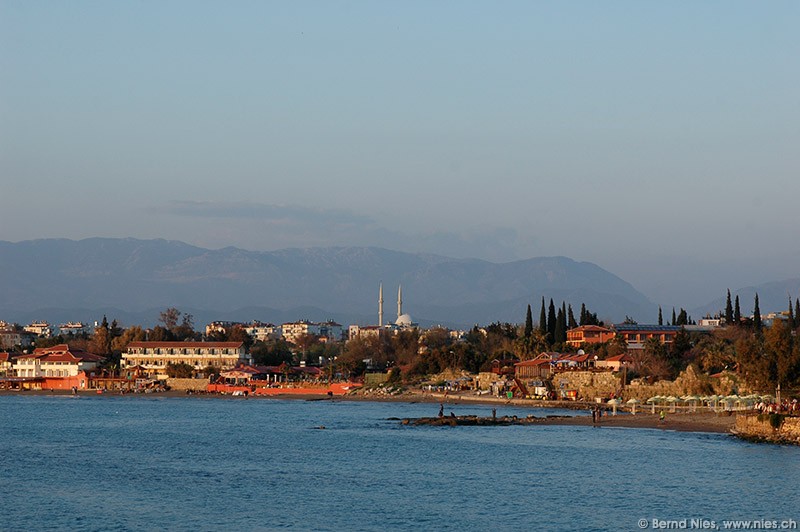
[653, 401]
[671, 400]
[613, 403]
[633, 402]
[692, 401]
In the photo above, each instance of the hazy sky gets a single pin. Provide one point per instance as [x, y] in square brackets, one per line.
[660, 140]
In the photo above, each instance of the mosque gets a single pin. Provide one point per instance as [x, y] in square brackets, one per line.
[403, 321]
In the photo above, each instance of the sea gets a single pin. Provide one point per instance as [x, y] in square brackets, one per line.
[206, 463]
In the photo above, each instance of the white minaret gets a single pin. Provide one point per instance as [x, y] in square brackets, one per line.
[399, 301]
[380, 305]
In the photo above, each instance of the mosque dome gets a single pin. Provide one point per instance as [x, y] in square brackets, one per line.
[404, 321]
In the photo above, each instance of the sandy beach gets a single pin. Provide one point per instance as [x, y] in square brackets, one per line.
[686, 422]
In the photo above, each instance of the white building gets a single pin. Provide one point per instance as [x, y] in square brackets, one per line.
[10, 339]
[292, 331]
[75, 328]
[56, 361]
[153, 357]
[40, 328]
[262, 331]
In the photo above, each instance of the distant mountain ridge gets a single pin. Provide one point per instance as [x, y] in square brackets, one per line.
[136, 276]
[772, 297]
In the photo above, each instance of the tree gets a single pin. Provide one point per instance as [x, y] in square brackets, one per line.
[528, 323]
[660, 317]
[737, 314]
[674, 319]
[683, 318]
[583, 314]
[273, 353]
[571, 323]
[182, 370]
[797, 313]
[791, 314]
[551, 323]
[728, 309]
[681, 345]
[170, 318]
[560, 333]
[543, 320]
[131, 334]
[756, 316]
[780, 352]
[101, 341]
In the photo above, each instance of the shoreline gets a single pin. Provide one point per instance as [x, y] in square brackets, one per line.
[710, 422]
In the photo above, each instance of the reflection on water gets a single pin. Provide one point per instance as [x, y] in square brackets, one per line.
[123, 463]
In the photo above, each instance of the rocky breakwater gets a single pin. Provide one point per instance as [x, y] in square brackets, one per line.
[770, 428]
[455, 421]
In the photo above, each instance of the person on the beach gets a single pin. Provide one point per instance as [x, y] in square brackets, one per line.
[662, 416]
[441, 410]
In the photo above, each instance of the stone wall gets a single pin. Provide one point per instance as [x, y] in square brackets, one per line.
[589, 384]
[759, 427]
[187, 384]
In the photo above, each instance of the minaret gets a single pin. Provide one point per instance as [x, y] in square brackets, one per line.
[380, 306]
[399, 301]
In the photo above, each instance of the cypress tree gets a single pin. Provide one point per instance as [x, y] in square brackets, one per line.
[674, 321]
[737, 314]
[571, 317]
[757, 316]
[551, 322]
[729, 309]
[528, 323]
[791, 314]
[797, 313]
[560, 333]
[543, 320]
[583, 314]
[660, 317]
[683, 319]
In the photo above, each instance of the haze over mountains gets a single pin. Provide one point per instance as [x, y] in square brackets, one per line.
[133, 280]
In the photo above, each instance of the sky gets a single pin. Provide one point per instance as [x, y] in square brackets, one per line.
[658, 140]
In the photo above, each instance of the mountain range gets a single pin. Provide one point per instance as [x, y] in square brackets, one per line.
[133, 280]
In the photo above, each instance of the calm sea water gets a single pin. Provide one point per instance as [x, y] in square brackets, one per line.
[145, 463]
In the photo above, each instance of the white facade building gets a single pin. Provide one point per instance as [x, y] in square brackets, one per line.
[154, 357]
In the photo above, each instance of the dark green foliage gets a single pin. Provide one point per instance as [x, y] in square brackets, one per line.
[660, 317]
[571, 323]
[271, 353]
[737, 314]
[728, 309]
[674, 319]
[181, 370]
[543, 320]
[756, 316]
[560, 333]
[551, 323]
[776, 420]
[797, 313]
[528, 323]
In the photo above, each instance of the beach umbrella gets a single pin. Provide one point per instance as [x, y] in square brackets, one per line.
[633, 402]
[671, 400]
[613, 403]
[652, 401]
[692, 399]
